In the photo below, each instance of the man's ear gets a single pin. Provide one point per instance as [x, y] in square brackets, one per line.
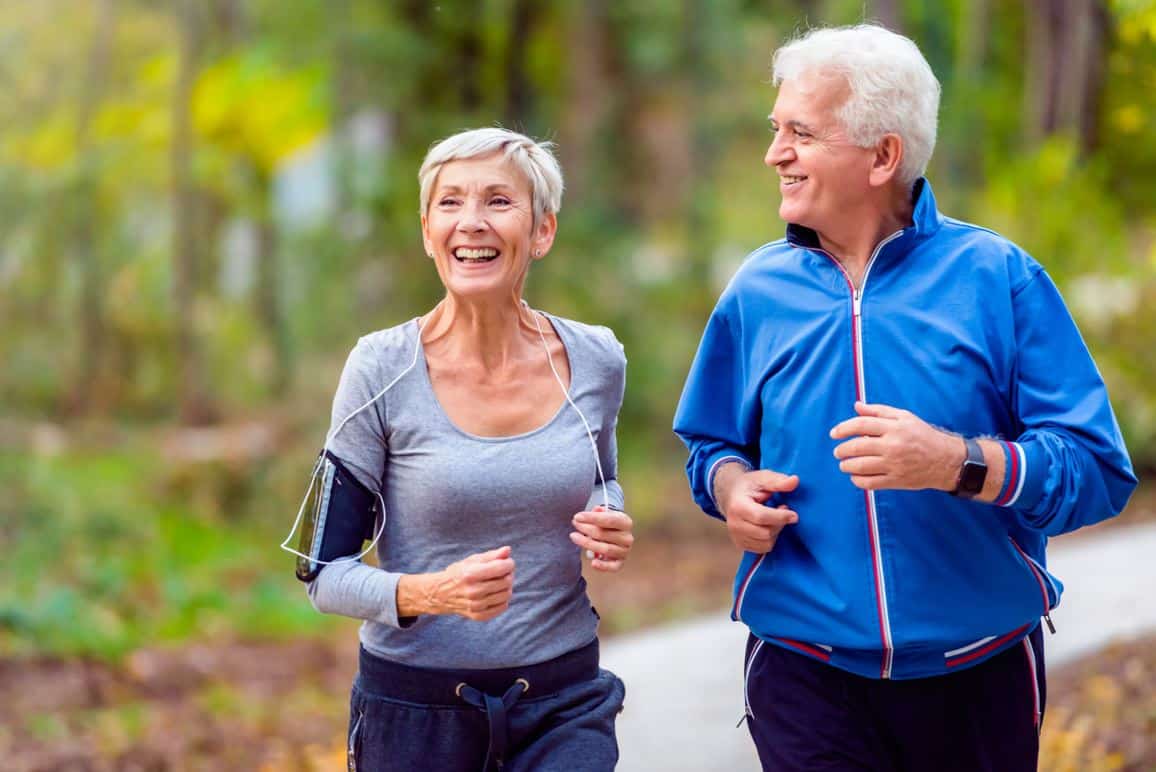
[544, 234]
[888, 156]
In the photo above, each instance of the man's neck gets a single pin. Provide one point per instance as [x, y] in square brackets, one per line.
[854, 246]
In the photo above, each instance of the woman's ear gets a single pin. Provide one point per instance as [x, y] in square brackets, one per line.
[888, 156]
[425, 240]
[543, 237]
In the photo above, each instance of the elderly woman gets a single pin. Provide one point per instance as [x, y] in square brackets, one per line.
[476, 446]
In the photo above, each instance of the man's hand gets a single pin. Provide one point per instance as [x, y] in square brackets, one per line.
[476, 587]
[896, 449]
[607, 534]
[740, 495]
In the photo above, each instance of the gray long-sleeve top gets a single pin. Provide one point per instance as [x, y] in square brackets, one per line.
[449, 494]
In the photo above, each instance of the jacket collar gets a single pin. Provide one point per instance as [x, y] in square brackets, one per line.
[926, 220]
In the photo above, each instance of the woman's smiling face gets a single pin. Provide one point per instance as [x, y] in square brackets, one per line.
[479, 227]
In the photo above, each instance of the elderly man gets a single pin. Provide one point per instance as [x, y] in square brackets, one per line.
[892, 411]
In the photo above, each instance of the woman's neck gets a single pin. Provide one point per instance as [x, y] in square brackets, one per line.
[488, 334]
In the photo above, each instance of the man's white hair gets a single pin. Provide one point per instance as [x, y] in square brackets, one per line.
[893, 90]
[534, 159]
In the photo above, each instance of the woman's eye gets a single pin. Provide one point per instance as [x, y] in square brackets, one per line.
[447, 202]
[500, 201]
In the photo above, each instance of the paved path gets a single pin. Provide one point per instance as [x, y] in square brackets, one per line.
[684, 682]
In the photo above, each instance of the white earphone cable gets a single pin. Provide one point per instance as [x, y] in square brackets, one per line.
[381, 527]
[566, 394]
[321, 460]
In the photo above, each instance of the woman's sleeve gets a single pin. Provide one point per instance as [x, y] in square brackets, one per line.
[349, 587]
[607, 440]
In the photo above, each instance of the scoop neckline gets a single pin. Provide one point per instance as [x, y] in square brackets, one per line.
[424, 367]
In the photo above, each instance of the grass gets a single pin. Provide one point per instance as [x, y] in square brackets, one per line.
[111, 551]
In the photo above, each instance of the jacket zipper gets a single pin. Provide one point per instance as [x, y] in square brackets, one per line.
[1043, 580]
[741, 595]
[861, 394]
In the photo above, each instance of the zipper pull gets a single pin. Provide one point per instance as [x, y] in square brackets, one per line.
[1048, 620]
[857, 301]
[741, 720]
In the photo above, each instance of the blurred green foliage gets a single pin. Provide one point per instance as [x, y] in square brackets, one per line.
[659, 112]
[112, 549]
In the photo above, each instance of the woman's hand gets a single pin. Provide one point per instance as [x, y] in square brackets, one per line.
[477, 587]
[606, 533]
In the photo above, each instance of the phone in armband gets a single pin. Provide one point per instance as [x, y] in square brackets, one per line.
[340, 514]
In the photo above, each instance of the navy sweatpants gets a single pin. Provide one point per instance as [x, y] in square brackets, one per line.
[554, 716]
[807, 716]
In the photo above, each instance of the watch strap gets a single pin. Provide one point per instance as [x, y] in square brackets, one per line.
[972, 472]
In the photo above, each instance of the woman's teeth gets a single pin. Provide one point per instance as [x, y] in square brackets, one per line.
[789, 180]
[480, 255]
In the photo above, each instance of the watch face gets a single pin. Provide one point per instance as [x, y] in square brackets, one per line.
[971, 477]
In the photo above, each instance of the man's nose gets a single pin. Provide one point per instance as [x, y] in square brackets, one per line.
[778, 152]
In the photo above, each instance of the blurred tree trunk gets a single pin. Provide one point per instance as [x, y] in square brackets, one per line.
[888, 13]
[225, 31]
[1064, 81]
[974, 31]
[965, 157]
[270, 306]
[601, 114]
[700, 70]
[89, 375]
[586, 42]
[193, 405]
[518, 97]
[230, 20]
[344, 100]
[469, 45]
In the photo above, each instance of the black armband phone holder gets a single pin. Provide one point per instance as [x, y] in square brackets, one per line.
[340, 515]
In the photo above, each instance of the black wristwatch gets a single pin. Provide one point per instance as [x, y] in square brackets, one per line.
[972, 473]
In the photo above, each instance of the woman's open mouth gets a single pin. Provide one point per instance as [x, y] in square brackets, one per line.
[475, 254]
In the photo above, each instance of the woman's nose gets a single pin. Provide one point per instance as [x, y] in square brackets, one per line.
[472, 219]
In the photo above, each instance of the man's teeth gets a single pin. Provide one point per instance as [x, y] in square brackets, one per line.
[479, 255]
[789, 180]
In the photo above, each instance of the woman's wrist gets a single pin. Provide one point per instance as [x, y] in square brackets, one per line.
[415, 595]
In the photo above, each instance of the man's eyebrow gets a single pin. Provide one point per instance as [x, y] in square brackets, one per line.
[796, 125]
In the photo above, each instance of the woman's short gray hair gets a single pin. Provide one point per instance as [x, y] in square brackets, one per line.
[893, 90]
[534, 159]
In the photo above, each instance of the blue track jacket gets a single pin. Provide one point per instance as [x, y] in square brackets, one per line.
[964, 329]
